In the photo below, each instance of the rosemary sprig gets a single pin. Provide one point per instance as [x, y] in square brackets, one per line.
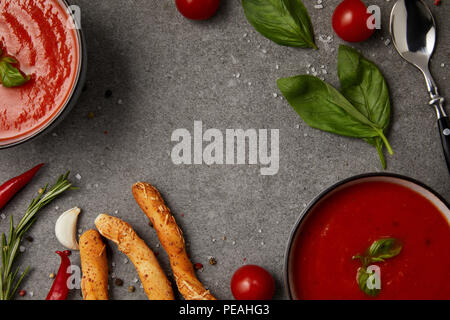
[10, 244]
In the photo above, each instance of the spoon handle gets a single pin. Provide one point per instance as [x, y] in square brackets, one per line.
[444, 125]
[444, 130]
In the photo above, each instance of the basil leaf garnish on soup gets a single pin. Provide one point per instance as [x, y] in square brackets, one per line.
[10, 76]
[379, 251]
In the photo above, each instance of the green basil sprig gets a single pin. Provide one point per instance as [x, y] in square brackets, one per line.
[361, 110]
[285, 22]
[379, 251]
[364, 86]
[10, 76]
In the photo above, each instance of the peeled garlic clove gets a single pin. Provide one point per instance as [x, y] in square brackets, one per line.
[66, 228]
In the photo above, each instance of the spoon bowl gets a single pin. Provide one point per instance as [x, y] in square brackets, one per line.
[413, 31]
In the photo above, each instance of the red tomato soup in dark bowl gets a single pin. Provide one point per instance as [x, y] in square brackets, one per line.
[352, 219]
[43, 37]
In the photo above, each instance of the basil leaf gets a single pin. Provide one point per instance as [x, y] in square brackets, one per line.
[363, 277]
[364, 86]
[378, 251]
[10, 76]
[285, 22]
[323, 107]
[384, 249]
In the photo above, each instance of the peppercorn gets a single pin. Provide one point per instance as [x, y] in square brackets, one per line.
[22, 293]
[118, 282]
[91, 115]
[198, 266]
[131, 289]
[29, 238]
[108, 93]
[212, 261]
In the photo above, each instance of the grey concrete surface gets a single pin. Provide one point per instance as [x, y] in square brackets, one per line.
[165, 72]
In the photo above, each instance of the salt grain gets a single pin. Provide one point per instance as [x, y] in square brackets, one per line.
[78, 176]
[442, 65]
[277, 67]
[275, 95]
[22, 249]
[387, 42]
[318, 6]
[3, 216]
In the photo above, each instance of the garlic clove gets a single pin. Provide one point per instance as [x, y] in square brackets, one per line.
[66, 228]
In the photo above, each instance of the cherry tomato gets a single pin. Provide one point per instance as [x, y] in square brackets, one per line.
[350, 21]
[197, 9]
[251, 282]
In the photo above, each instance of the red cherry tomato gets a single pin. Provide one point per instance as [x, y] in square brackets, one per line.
[251, 282]
[197, 9]
[350, 21]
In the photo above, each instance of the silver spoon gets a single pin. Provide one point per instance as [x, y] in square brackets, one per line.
[413, 32]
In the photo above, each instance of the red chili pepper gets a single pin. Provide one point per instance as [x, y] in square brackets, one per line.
[60, 290]
[11, 187]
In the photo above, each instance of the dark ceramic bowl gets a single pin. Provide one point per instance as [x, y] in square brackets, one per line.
[71, 99]
[410, 183]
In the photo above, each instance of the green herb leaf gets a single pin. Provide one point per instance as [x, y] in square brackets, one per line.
[384, 249]
[378, 251]
[364, 86]
[285, 22]
[10, 245]
[323, 107]
[362, 110]
[363, 277]
[10, 76]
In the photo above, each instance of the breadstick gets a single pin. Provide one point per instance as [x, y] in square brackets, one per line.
[94, 265]
[171, 238]
[153, 279]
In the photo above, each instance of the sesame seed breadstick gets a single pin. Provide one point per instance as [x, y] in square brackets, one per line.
[94, 265]
[153, 279]
[171, 238]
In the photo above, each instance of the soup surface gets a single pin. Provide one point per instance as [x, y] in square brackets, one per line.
[349, 221]
[39, 34]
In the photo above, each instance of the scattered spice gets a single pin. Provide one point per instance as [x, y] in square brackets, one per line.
[118, 282]
[437, 2]
[131, 289]
[212, 261]
[29, 238]
[108, 93]
[105, 132]
[52, 275]
[22, 293]
[198, 266]
[156, 253]
[91, 115]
